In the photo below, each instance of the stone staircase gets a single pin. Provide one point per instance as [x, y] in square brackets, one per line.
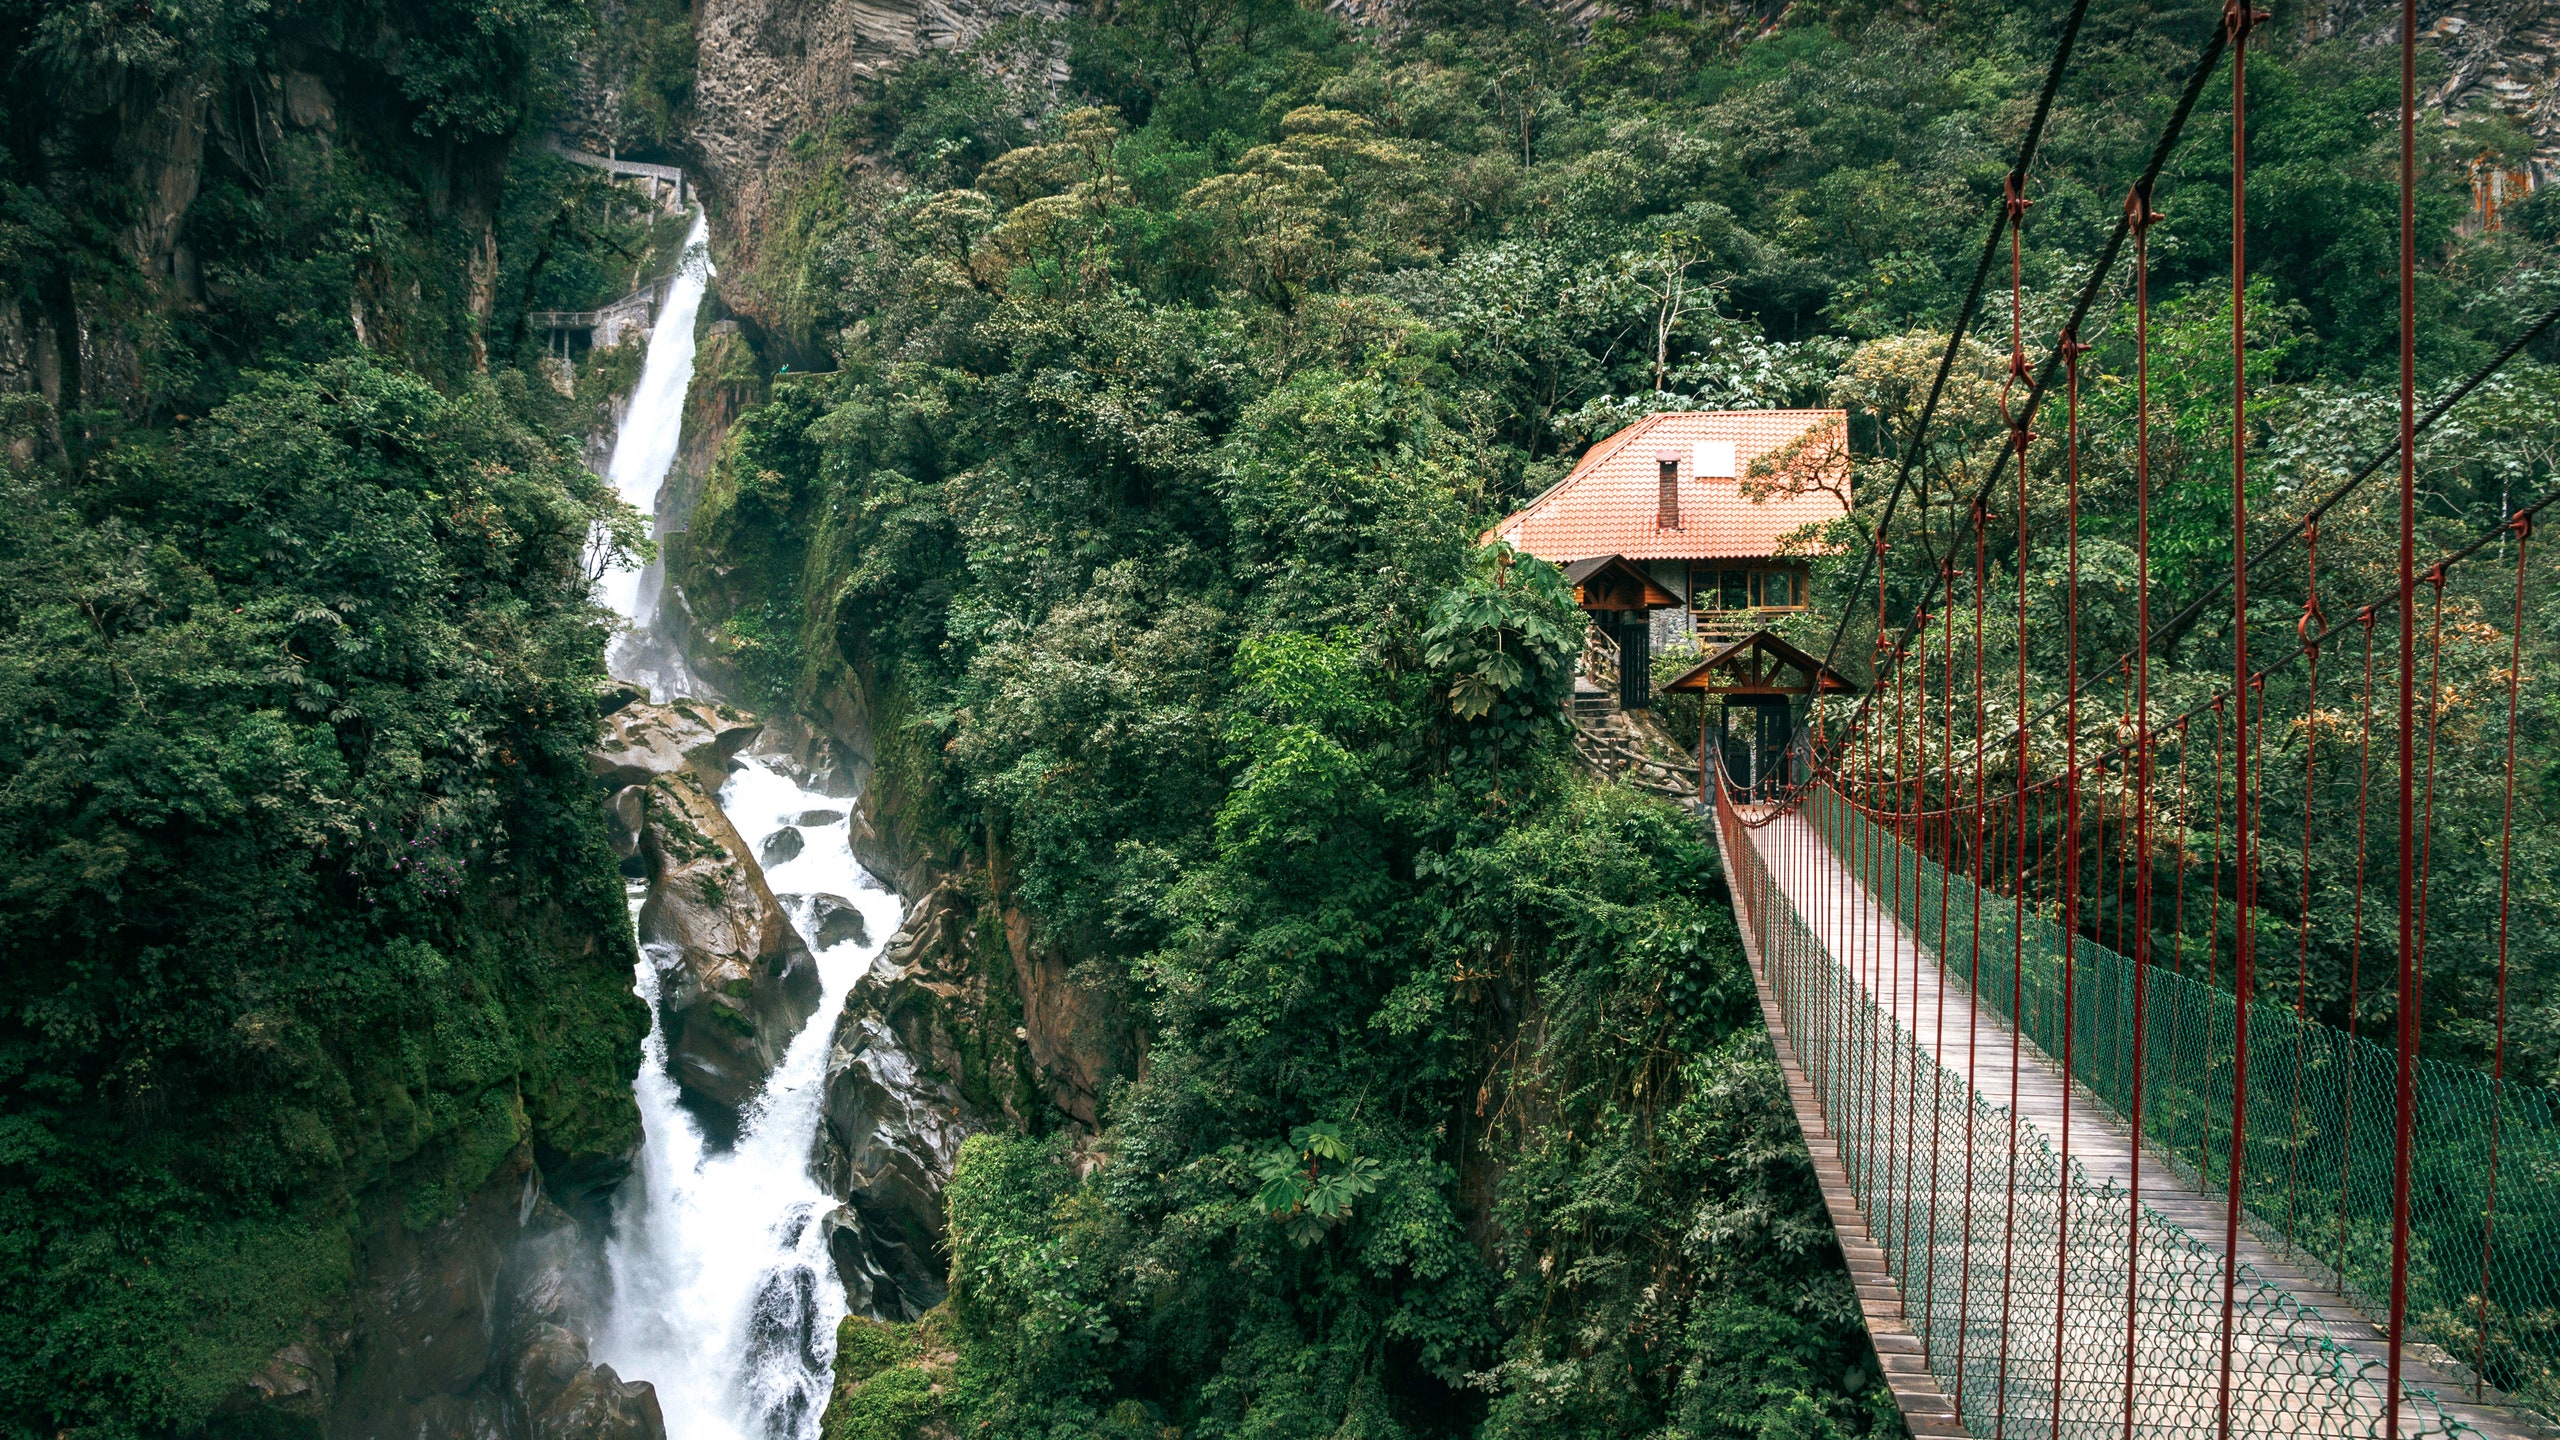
[1625, 744]
[1632, 746]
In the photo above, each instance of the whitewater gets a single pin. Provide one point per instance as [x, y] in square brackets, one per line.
[644, 449]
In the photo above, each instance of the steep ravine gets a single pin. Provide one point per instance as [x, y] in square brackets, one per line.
[959, 1021]
[491, 1317]
[718, 1284]
[802, 1099]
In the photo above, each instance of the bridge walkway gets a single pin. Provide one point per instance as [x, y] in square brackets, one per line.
[1901, 976]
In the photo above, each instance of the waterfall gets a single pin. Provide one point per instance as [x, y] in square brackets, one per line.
[643, 451]
[722, 1291]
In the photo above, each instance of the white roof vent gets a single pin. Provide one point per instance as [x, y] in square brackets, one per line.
[1712, 459]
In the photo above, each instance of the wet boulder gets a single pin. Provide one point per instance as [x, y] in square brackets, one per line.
[736, 982]
[892, 1133]
[629, 809]
[550, 1388]
[782, 846]
[640, 742]
[554, 1394]
[839, 921]
[833, 920]
[868, 1288]
[895, 1113]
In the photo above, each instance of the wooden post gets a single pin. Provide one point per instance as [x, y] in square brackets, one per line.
[1702, 747]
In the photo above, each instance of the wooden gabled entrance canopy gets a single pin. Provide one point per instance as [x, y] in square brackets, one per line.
[1761, 664]
[1606, 582]
[1760, 675]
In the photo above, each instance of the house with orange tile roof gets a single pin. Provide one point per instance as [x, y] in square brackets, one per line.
[1669, 536]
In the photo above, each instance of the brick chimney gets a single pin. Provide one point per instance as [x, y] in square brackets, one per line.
[1668, 517]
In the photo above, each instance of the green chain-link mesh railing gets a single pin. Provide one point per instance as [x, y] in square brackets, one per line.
[2316, 1175]
[1979, 1279]
[2318, 1138]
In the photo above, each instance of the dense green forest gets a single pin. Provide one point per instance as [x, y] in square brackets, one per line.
[1159, 419]
[308, 924]
[1155, 418]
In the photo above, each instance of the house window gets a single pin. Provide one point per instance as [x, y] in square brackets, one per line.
[1718, 588]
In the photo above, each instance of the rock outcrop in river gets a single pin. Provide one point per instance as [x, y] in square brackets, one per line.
[896, 1115]
[740, 982]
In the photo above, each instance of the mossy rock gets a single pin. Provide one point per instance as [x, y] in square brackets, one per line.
[892, 1381]
[733, 1019]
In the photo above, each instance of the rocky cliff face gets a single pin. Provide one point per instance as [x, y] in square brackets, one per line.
[133, 140]
[467, 1330]
[2505, 58]
[769, 70]
[899, 1076]
[966, 1022]
[922, 1033]
[728, 380]
[1078, 1035]
[2502, 57]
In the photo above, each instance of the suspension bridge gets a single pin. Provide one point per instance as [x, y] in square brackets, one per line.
[2021, 931]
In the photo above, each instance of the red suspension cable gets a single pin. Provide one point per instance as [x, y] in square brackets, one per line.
[1946, 908]
[2309, 627]
[2355, 961]
[2124, 780]
[2072, 350]
[2138, 206]
[2213, 892]
[2213, 918]
[1973, 980]
[2434, 715]
[1910, 842]
[2178, 913]
[2021, 438]
[2405, 1096]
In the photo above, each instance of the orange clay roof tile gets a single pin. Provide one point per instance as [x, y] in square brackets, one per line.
[1611, 502]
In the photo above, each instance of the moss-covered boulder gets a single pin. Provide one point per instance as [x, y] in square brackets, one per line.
[892, 1381]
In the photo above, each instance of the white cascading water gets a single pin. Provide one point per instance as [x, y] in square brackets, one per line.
[643, 451]
[722, 1291]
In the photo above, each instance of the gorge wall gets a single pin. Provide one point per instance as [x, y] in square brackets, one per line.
[2500, 57]
[344, 1175]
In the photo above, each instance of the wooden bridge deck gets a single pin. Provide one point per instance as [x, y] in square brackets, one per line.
[1847, 921]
